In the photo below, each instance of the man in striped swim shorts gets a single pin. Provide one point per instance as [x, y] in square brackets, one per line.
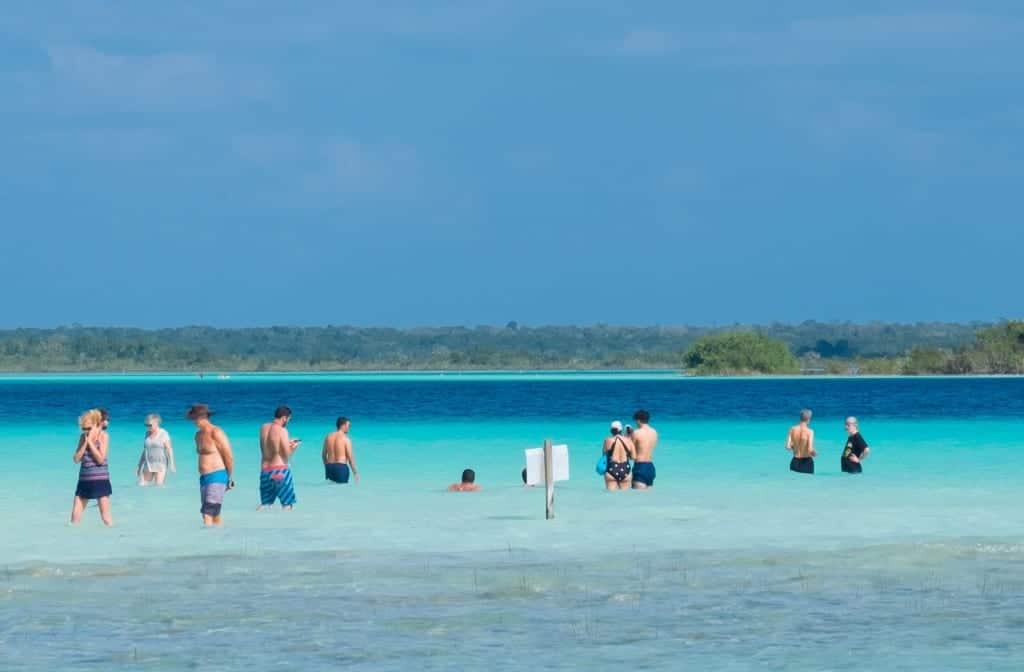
[277, 449]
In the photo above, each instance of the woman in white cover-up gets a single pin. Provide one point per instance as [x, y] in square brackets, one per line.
[157, 454]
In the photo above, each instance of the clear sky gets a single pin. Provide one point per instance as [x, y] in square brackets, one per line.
[404, 163]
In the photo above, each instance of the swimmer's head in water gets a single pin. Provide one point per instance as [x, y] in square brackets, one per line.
[342, 421]
[805, 415]
[468, 476]
[642, 416]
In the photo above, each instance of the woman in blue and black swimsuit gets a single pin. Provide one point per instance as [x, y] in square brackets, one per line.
[93, 474]
[619, 449]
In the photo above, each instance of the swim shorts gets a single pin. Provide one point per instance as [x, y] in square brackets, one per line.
[802, 465]
[276, 483]
[643, 472]
[337, 472]
[212, 487]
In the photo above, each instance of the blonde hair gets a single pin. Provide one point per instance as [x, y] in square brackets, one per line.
[89, 419]
[153, 418]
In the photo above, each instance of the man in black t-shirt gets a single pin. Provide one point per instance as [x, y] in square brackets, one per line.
[856, 449]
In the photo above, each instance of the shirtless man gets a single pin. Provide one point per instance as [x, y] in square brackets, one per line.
[645, 439]
[216, 463]
[277, 448]
[800, 442]
[337, 454]
[468, 483]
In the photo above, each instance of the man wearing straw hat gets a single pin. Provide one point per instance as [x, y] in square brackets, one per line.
[216, 463]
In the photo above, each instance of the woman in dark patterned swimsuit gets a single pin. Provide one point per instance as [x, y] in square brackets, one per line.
[94, 474]
[620, 451]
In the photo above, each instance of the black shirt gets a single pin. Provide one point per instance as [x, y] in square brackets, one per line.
[855, 445]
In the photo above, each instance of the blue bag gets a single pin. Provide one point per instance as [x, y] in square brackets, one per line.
[602, 465]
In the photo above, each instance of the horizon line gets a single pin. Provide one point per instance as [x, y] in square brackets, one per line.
[521, 325]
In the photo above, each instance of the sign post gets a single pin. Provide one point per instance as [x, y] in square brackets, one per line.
[549, 481]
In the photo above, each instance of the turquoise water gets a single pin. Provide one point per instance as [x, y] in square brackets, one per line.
[731, 562]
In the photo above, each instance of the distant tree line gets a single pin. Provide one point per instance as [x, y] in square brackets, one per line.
[815, 346]
[996, 350]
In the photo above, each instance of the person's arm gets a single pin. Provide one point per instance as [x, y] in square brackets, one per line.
[220, 439]
[325, 452]
[810, 443]
[99, 453]
[83, 442]
[789, 441]
[142, 461]
[351, 459]
[864, 447]
[285, 445]
[170, 453]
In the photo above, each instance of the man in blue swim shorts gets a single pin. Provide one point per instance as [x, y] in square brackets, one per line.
[216, 462]
[337, 454]
[277, 449]
[645, 439]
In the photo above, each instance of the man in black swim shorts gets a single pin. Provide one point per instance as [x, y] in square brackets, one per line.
[800, 442]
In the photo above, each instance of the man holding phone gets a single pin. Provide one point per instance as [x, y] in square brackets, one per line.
[277, 449]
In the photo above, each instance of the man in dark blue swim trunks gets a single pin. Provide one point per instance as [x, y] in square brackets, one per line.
[337, 454]
[645, 439]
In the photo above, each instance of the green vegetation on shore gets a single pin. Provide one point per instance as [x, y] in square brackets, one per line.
[739, 353]
[828, 348]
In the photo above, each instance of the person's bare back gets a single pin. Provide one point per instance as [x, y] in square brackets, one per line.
[801, 441]
[337, 447]
[277, 449]
[210, 440]
[645, 438]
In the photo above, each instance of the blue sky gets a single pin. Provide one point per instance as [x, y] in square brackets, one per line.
[413, 163]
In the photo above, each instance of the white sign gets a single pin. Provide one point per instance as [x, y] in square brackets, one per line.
[535, 464]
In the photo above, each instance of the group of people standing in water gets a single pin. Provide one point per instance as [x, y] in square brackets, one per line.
[627, 458]
[215, 457]
[627, 444]
[800, 442]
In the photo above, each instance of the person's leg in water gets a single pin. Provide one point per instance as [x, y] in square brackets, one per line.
[104, 505]
[77, 507]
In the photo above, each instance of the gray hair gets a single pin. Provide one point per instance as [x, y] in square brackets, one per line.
[851, 421]
[805, 415]
[153, 418]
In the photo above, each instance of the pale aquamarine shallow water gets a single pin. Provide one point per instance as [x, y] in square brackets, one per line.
[731, 562]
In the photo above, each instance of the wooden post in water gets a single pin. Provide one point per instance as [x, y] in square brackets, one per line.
[549, 481]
